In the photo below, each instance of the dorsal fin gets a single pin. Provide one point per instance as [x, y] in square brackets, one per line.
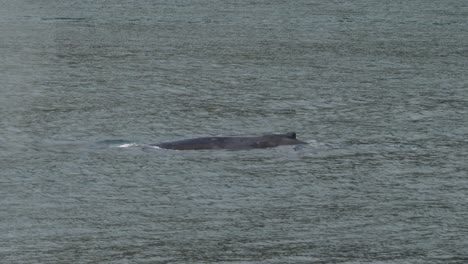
[291, 135]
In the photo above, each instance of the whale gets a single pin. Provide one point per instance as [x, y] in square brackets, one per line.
[232, 143]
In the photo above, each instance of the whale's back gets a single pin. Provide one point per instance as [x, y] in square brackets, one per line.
[232, 143]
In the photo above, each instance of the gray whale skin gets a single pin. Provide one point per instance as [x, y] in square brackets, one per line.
[232, 143]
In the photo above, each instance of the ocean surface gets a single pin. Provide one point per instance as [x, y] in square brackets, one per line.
[379, 90]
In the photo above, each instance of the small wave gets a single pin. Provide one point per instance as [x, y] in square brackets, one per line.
[128, 145]
[153, 147]
[116, 143]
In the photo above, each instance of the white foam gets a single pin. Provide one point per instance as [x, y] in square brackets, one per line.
[128, 145]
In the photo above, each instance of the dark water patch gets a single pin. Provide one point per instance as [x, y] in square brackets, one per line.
[65, 18]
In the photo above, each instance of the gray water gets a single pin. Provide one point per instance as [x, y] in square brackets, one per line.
[379, 90]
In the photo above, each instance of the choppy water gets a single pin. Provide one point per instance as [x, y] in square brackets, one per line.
[378, 89]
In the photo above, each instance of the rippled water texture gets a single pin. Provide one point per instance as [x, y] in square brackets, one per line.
[378, 89]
